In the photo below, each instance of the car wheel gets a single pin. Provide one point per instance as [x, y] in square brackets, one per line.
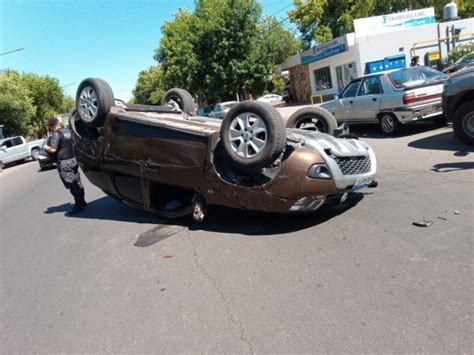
[34, 154]
[182, 98]
[389, 124]
[94, 98]
[253, 135]
[313, 118]
[463, 122]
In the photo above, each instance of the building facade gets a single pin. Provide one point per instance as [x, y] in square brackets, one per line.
[378, 43]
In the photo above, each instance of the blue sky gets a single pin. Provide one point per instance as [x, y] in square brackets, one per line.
[71, 40]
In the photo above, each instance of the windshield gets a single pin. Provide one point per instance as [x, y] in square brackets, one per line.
[405, 76]
[466, 59]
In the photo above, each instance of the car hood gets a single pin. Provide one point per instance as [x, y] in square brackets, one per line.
[329, 145]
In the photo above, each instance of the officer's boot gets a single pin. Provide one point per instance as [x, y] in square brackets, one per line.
[79, 205]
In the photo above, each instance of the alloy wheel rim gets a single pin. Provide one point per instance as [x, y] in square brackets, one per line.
[248, 135]
[88, 103]
[387, 123]
[468, 124]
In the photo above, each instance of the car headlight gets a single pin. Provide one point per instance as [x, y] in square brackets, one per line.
[319, 171]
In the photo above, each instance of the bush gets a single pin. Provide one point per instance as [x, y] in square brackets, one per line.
[458, 52]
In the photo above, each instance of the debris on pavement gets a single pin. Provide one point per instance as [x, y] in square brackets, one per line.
[423, 223]
[442, 218]
[457, 212]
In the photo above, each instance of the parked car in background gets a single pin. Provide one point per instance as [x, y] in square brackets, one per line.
[204, 111]
[272, 99]
[458, 104]
[220, 109]
[46, 160]
[15, 149]
[465, 62]
[391, 98]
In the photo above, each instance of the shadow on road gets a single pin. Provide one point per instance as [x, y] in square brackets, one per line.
[443, 141]
[220, 219]
[410, 129]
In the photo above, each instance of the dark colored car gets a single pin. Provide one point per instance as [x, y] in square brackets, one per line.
[45, 160]
[464, 62]
[458, 104]
[166, 160]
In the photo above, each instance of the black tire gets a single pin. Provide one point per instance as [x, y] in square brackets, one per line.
[463, 122]
[94, 98]
[272, 138]
[389, 123]
[182, 98]
[440, 120]
[313, 118]
[34, 154]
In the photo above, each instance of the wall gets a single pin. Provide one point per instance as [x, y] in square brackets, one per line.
[300, 83]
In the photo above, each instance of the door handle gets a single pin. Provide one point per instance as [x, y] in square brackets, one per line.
[374, 99]
[351, 102]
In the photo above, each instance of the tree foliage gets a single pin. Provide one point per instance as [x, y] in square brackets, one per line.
[28, 100]
[459, 52]
[150, 86]
[16, 104]
[222, 48]
[321, 20]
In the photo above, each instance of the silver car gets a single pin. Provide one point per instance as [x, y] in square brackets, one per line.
[220, 109]
[391, 98]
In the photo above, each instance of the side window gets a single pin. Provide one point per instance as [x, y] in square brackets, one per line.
[7, 143]
[17, 141]
[218, 108]
[351, 89]
[370, 86]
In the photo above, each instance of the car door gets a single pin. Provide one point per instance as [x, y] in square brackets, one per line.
[344, 104]
[367, 102]
[14, 149]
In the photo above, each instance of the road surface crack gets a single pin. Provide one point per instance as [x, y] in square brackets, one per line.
[227, 303]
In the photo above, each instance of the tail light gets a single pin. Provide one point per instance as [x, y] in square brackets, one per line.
[409, 98]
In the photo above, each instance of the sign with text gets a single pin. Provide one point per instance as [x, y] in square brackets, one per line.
[393, 22]
[324, 50]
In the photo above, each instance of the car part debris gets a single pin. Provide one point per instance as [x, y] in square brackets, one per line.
[423, 223]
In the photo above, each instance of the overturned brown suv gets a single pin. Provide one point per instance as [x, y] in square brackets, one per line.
[166, 160]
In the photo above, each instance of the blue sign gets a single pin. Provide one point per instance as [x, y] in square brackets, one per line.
[324, 54]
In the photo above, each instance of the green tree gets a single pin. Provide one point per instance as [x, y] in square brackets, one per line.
[459, 52]
[150, 86]
[47, 97]
[16, 104]
[222, 48]
[67, 104]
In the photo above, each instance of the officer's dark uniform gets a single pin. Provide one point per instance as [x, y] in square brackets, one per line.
[61, 140]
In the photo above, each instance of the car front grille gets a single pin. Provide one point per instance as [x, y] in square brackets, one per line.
[353, 165]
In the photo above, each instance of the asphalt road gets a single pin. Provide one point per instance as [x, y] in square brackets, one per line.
[359, 278]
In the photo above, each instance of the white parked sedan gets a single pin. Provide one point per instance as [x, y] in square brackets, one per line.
[221, 109]
[271, 99]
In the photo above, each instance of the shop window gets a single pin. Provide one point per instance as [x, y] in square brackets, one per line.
[350, 71]
[322, 79]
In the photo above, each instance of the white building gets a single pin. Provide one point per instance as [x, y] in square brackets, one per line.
[377, 43]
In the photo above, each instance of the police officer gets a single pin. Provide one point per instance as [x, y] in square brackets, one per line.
[60, 145]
